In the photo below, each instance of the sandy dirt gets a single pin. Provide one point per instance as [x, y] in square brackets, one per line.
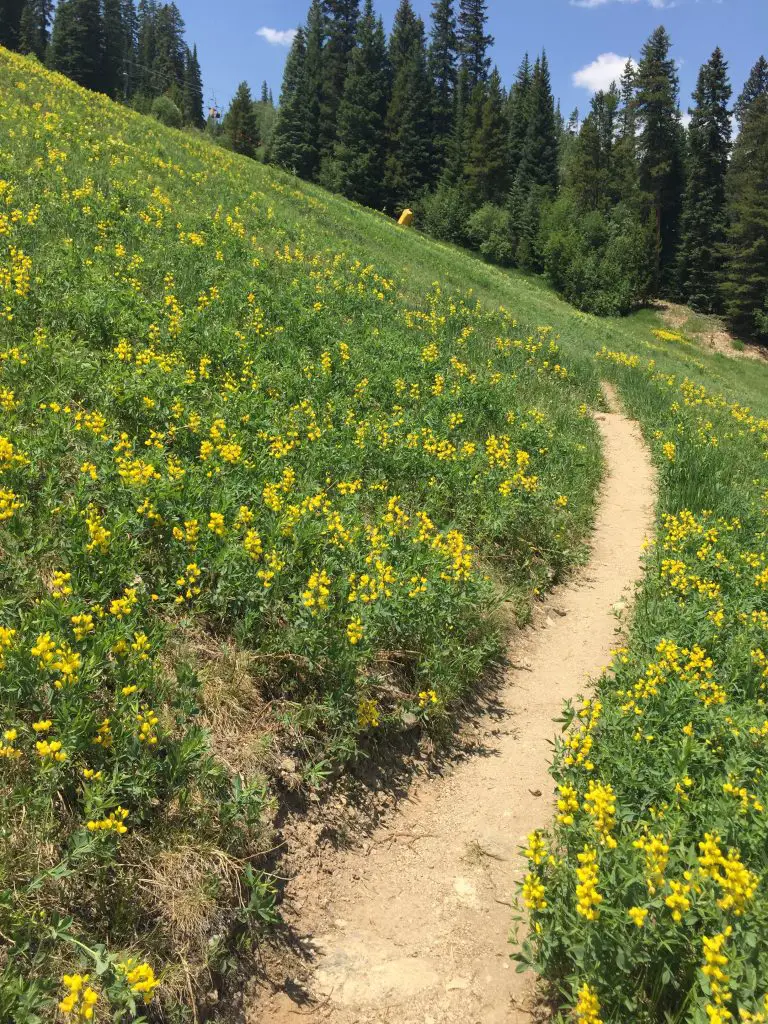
[413, 926]
[708, 331]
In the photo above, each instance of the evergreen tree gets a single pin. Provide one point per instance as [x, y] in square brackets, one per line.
[487, 168]
[130, 39]
[745, 285]
[170, 50]
[240, 128]
[453, 171]
[660, 145]
[474, 41]
[409, 154]
[266, 116]
[313, 89]
[471, 152]
[625, 150]
[538, 159]
[340, 25]
[518, 115]
[76, 42]
[10, 22]
[756, 85]
[361, 137]
[34, 27]
[704, 217]
[113, 52]
[146, 79]
[590, 171]
[293, 146]
[192, 107]
[441, 63]
[537, 172]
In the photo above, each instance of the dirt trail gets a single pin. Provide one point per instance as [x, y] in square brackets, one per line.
[413, 927]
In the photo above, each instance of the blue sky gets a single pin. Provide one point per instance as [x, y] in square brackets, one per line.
[246, 39]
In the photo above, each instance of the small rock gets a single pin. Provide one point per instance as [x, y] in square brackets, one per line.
[457, 983]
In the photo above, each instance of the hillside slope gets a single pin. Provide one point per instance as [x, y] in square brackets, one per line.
[267, 467]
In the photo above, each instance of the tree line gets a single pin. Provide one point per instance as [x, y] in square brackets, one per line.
[614, 208]
[137, 55]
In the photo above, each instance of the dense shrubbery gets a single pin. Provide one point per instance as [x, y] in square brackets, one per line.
[599, 262]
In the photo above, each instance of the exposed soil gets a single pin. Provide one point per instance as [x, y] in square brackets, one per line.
[412, 926]
[709, 331]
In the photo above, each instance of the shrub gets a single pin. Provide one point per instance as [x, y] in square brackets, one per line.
[166, 112]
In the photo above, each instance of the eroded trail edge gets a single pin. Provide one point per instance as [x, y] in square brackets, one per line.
[413, 927]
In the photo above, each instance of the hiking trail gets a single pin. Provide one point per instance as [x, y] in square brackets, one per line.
[412, 927]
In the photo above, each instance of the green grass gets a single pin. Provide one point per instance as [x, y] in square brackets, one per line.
[269, 467]
[274, 464]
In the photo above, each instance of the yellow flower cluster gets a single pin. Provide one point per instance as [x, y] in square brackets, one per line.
[600, 805]
[114, 822]
[588, 899]
[80, 1001]
[587, 1008]
[141, 979]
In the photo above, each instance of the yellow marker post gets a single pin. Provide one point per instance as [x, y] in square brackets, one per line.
[406, 218]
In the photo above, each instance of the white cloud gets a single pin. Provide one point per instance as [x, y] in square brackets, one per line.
[601, 72]
[277, 36]
[686, 119]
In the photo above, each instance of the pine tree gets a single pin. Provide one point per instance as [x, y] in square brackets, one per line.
[487, 168]
[240, 128]
[293, 145]
[703, 222]
[441, 64]
[266, 116]
[745, 284]
[147, 83]
[130, 39]
[113, 52]
[660, 145]
[10, 22]
[76, 42]
[34, 27]
[756, 85]
[590, 171]
[409, 154]
[313, 89]
[358, 161]
[453, 170]
[537, 172]
[192, 106]
[538, 160]
[625, 150]
[170, 50]
[340, 27]
[471, 147]
[518, 115]
[474, 41]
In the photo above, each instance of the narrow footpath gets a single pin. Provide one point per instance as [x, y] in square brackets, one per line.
[413, 926]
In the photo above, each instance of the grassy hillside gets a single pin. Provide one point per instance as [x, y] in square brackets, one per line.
[269, 464]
